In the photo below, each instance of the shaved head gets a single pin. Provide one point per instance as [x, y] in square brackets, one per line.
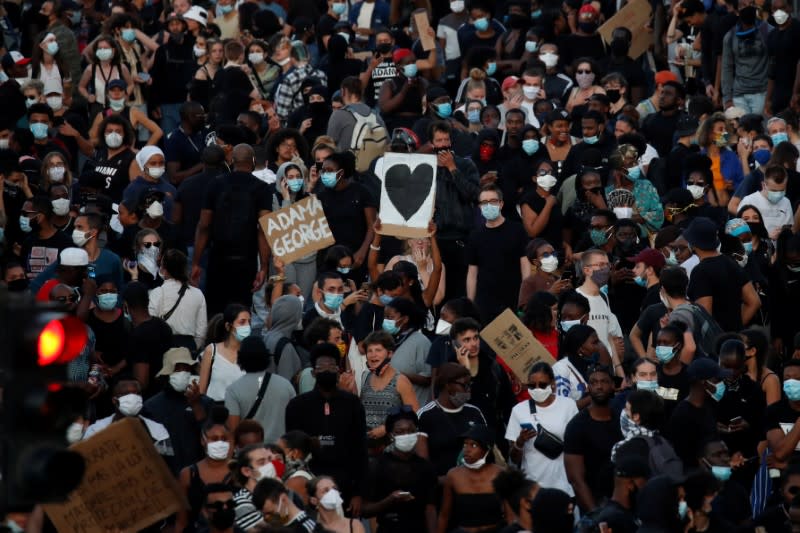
[244, 157]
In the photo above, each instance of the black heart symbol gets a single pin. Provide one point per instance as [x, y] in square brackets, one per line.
[407, 190]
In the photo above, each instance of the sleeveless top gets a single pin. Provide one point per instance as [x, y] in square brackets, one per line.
[378, 402]
[99, 81]
[223, 373]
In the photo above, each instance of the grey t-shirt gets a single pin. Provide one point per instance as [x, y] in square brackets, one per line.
[242, 393]
[409, 358]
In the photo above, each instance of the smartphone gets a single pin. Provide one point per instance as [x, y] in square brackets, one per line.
[617, 382]
[568, 274]
[318, 166]
[456, 345]
[736, 420]
[404, 493]
[526, 426]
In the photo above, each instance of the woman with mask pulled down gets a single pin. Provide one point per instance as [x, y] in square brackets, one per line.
[469, 500]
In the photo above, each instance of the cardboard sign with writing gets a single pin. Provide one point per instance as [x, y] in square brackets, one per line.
[408, 190]
[127, 486]
[634, 15]
[296, 231]
[515, 344]
[423, 26]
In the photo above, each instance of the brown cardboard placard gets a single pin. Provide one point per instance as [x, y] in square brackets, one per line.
[634, 15]
[423, 25]
[515, 344]
[296, 231]
[127, 485]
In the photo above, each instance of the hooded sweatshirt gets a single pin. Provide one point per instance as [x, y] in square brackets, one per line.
[286, 315]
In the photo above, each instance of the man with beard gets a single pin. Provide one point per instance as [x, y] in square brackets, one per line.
[588, 440]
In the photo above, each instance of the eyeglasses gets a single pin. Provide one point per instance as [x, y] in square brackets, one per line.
[489, 202]
[584, 72]
[157, 244]
[466, 385]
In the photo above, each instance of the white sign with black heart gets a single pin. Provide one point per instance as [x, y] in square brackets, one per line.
[408, 192]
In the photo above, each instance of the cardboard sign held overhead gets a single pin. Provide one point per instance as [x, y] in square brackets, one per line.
[423, 26]
[515, 344]
[296, 231]
[408, 188]
[127, 486]
[634, 15]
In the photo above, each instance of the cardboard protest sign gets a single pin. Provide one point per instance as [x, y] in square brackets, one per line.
[515, 344]
[296, 231]
[634, 15]
[408, 188]
[127, 486]
[423, 26]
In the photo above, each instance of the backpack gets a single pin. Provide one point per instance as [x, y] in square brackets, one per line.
[235, 222]
[662, 457]
[706, 330]
[369, 139]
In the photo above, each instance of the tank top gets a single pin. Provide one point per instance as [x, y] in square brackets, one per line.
[378, 402]
[223, 373]
[99, 81]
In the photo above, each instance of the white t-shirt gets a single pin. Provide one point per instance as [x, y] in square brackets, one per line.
[689, 264]
[601, 318]
[569, 382]
[773, 215]
[548, 473]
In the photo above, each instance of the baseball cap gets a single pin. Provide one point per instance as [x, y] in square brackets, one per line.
[400, 54]
[631, 466]
[510, 81]
[117, 84]
[650, 257]
[404, 136]
[14, 58]
[705, 368]
[172, 357]
[74, 257]
[687, 125]
[587, 10]
[197, 14]
[663, 76]
[480, 434]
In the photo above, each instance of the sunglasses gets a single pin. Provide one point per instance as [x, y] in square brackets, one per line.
[157, 244]
[584, 72]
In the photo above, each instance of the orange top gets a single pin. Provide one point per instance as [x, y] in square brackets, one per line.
[716, 171]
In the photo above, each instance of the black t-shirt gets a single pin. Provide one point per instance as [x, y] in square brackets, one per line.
[722, 279]
[649, 323]
[575, 46]
[37, 254]
[593, 440]
[743, 398]
[148, 342]
[114, 171]
[183, 149]
[111, 338]
[552, 231]
[345, 213]
[445, 430]
[415, 475]
[689, 427]
[678, 386]
[385, 70]
[497, 253]
[659, 129]
[191, 194]
[781, 416]
[237, 185]
[369, 319]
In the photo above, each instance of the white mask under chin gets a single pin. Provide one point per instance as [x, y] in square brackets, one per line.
[477, 464]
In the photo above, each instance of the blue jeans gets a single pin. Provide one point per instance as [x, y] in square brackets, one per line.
[170, 117]
[751, 103]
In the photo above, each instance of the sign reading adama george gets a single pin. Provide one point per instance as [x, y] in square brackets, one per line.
[296, 231]
[127, 485]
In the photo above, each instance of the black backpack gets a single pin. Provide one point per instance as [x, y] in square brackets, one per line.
[706, 330]
[235, 223]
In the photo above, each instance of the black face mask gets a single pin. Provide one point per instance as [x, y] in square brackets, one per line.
[327, 380]
[626, 244]
[176, 37]
[620, 47]
[319, 108]
[587, 27]
[18, 285]
[223, 518]
[613, 95]
[384, 48]
[380, 367]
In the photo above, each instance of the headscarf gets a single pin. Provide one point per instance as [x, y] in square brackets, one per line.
[145, 154]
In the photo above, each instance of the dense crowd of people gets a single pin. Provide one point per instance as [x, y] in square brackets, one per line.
[639, 215]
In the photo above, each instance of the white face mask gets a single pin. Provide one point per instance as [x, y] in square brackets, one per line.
[4, 143]
[79, 238]
[256, 58]
[443, 327]
[530, 92]
[406, 443]
[696, 190]
[477, 464]
[56, 174]
[199, 51]
[113, 140]
[130, 404]
[549, 59]
[283, 62]
[549, 264]
[74, 432]
[60, 206]
[55, 102]
[147, 259]
[331, 500]
[180, 380]
[540, 395]
[546, 182]
[457, 6]
[267, 471]
[156, 210]
[218, 450]
[780, 17]
[155, 172]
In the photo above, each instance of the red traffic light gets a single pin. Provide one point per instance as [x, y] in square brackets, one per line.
[60, 341]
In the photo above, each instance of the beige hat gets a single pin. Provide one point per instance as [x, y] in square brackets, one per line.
[172, 357]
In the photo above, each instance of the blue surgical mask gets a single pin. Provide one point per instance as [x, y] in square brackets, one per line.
[634, 173]
[643, 384]
[761, 156]
[75, 18]
[665, 353]
[722, 473]
[339, 8]
[343, 270]
[591, 140]
[295, 184]
[598, 236]
[226, 9]
[775, 196]
[536, 14]
[443, 110]
[491, 68]
[719, 390]
[672, 259]
[474, 116]
[385, 299]
[128, 34]
[333, 301]
[791, 387]
[490, 212]
[390, 326]
[410, 70]
[52, 48]
[25, 224]
[748, 247]
[683, 508]
[640, 281]
[531, 46]
[778, 138]
[329, 179]
[107, 301]
[567, 324]
[242, 332]
[530, 146]
[481, 24]
[39, 130]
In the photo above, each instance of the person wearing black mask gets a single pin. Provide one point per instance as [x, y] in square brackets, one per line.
[512, 41]
[336, 420]
[173, 68]
[312, 118]
[630, 474]
[219, 509]
[619, 61]
[585, 42]
[14, 278]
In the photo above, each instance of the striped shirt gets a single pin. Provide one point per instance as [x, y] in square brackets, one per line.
[247, 516]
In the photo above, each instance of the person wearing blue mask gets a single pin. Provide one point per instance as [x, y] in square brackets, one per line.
[401, 97]
[40, 123]
[440, 107]
[783, 434]
[648, 264]
[592, 128]
[481, 30]
[403, 320]
[673, 377]
[330, 300]
[730, 505]
[775, 208]
[693, 421]
[648, 211]
[219, 362]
